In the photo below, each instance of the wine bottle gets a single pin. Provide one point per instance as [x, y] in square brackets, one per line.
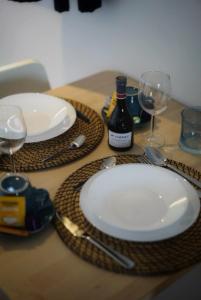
[120, 124]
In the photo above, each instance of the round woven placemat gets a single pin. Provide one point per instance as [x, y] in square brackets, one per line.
[150, 258]
[30, 157]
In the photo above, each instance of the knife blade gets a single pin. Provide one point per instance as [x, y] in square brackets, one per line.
[82, 116]
[79, 233]
[186, 176]
[14, 231]
[75, 144]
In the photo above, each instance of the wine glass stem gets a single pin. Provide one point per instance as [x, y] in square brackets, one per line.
[12, 161]
[152, 125]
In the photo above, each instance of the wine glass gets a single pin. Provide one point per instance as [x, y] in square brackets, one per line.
[153, 94]
[12, 131]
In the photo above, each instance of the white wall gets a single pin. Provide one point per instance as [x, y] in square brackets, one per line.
[30, 30]
[131, 36]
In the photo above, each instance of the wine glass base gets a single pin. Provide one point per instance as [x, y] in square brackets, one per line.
[155, 141]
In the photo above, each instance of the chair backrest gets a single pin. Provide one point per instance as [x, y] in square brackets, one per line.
[21, 77]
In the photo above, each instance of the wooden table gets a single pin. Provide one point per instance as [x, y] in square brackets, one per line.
[42, 267]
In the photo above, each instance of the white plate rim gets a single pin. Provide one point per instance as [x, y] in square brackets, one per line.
[65, 123]
[47, 135]
[138, 236]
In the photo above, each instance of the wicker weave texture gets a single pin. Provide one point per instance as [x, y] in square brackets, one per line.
[150, 257]
[30, 157]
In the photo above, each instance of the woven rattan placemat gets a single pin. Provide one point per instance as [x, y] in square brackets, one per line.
[30, 157]
[150, 257]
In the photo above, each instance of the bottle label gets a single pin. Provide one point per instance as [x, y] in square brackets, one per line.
[120, 140]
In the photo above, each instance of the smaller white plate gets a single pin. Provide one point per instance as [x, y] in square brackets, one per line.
[139, 202]
[45, 116]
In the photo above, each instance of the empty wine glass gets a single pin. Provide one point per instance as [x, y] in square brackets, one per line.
[12, 131]
[154, 91]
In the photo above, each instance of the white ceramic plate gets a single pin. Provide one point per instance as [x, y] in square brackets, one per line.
[45, 116]
[139, 202]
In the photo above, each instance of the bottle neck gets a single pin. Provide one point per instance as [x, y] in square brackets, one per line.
[121, 96]
[121, 99]
[121, 90]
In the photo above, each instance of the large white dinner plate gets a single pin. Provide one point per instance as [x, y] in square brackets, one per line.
[45, 116]
[139, 202]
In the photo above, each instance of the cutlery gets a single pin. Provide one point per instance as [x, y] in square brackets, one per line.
[82, 116]
[75, 144]
[79, 233]
[107, 163]
[14, 231]
[155, 157]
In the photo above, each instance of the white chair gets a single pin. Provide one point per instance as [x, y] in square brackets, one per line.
[23, 76]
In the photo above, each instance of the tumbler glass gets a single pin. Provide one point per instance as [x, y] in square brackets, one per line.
[190, 138]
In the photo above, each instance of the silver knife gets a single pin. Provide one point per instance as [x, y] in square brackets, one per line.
[79, 233]
[75, 144]
[186, 176]
[82, 116]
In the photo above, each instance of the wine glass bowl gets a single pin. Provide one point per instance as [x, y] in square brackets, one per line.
[12, 130]
[153, 95]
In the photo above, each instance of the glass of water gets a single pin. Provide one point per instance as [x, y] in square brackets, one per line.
[13, 131]
[190, 138]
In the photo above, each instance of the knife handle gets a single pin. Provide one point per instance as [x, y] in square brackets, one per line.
[14, 231]
[188, 177]
[118, 257]
[82, 116]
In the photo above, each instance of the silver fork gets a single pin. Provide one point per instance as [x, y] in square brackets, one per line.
[143, 159]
